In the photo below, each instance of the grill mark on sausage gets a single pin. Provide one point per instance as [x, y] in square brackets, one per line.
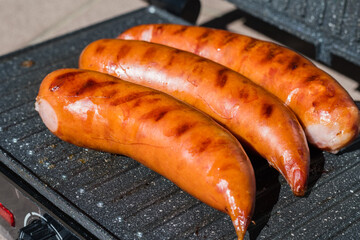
[205, 34]
[91, 85]
[301, 152]
[267, 110]
[221, 78]
[150, 53]
[330, 91]
[204, 145]
[244, 94]
[228, 166]
[131, 97]
[139, 101]
[183, 128]
[99, 49]
[123, 51]
[294, 63]
[198, 65]
[202, 40]
[180, 30]
[200, 60]
[110, 94]
[158, 30]
[272, 52]
[228, 38]
[68, 75]
[197, 47]
[247, 94]
[252, 43]
[172, 58]
[311, 78]
[158, 113]
[60, 79]
[197, 69]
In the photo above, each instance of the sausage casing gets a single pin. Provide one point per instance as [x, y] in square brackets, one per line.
[98, 111]
[326, 111]
[252, 114]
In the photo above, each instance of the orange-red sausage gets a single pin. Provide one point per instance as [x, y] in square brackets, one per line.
[98, 111]
[327, 112]
[248, 111]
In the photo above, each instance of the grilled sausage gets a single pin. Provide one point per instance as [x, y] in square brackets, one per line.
[326, 111]
[98, 111]
[253, 115]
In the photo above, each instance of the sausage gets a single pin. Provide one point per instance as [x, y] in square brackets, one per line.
[252, 114]
[98, 111]
[326, 111]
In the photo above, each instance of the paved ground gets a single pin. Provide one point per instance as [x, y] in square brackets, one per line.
[29, 22]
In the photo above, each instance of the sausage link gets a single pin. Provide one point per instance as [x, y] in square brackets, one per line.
[252, 114]
[98, 111]
[326, 111]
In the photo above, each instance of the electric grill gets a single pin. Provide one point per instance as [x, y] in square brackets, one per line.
[87, 194]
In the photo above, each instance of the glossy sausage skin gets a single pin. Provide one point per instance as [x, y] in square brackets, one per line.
[326, 111]
[253, 115]
[98, 111]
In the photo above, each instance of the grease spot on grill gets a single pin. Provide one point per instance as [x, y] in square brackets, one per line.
[42, 160]
[118, 219]
[51, 166]
[83, 161]
[28, 63]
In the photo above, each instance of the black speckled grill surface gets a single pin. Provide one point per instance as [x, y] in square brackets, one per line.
[115, 197]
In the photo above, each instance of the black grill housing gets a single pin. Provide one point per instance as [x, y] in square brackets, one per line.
[114, 197]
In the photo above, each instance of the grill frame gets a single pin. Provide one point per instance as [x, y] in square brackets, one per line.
[331, 26]
[150, 206]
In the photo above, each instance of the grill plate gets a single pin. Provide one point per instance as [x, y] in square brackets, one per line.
[115, 197]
